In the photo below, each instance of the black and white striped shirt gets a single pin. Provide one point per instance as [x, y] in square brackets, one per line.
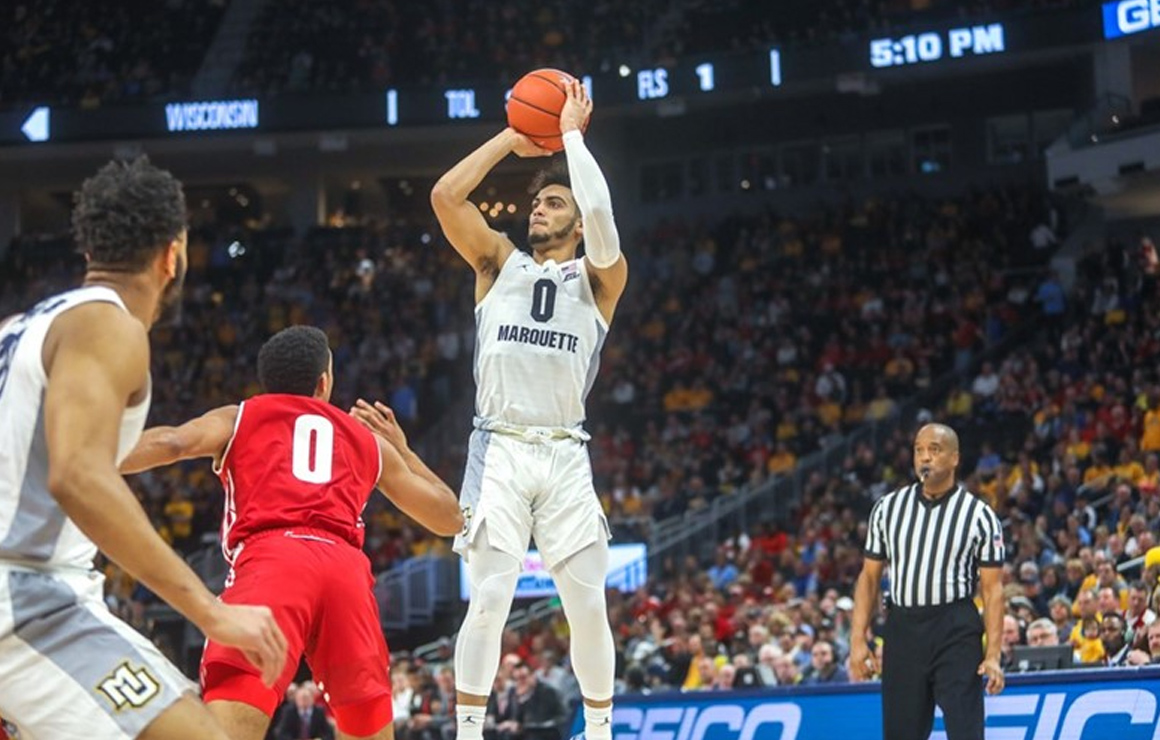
[934, 548]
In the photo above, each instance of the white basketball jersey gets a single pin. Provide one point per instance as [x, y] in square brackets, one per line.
[33, 528]
[537, 350]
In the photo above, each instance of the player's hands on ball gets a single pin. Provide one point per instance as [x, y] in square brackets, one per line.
[522, 146]
[252, 630]
[995, 678]
[863, 664]
[380, 419]
[577, 108]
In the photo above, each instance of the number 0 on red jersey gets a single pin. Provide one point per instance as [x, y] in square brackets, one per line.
[295, 461]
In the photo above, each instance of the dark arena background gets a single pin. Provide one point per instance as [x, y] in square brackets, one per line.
[844, 218]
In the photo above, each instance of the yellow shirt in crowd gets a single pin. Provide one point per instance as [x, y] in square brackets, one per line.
[1150, 439]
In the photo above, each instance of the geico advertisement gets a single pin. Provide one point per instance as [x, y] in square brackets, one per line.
[1126, 17]
[1065, 705]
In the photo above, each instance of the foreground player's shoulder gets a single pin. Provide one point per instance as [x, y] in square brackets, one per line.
[95, 359]
[100, 319]
[101, 331]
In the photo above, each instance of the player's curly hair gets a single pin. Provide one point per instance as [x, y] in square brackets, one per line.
[292, 360]
[127, 212]
[554, 174]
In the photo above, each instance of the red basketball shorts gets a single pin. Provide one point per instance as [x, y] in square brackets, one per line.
[320, 590]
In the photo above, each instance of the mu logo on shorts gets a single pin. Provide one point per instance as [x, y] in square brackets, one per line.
[129, 687]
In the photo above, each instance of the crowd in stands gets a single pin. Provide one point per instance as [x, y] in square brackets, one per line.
[744, 346]
[305, 45]
[90, 54]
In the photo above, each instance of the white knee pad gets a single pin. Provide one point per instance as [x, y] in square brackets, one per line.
[580, 581]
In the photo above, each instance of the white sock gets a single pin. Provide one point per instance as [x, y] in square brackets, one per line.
[469, 722]
[598, 722]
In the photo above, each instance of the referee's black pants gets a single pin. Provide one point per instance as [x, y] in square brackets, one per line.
[930, 655]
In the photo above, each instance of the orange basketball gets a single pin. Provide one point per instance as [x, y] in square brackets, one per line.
[535, 104]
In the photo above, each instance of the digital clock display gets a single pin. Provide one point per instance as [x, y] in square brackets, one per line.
[932, 46]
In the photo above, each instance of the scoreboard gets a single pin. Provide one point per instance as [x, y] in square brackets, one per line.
[934, 49]
[389, 108]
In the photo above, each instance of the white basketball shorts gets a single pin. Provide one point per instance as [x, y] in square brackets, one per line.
[69, 669]
[530, 489]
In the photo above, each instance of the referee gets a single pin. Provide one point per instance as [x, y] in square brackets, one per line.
[942, 542]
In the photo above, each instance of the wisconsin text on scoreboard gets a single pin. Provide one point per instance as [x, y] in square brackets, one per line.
[212, 115]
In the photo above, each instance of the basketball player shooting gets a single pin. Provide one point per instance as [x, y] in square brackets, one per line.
[297, 473]
[74, 394]
[542, 319]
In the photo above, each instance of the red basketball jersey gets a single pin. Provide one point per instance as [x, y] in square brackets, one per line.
[296, 462]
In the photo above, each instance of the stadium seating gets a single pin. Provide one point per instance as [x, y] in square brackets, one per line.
[90, 54]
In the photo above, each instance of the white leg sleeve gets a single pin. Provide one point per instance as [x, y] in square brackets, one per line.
[580, 581]
[492, 576]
